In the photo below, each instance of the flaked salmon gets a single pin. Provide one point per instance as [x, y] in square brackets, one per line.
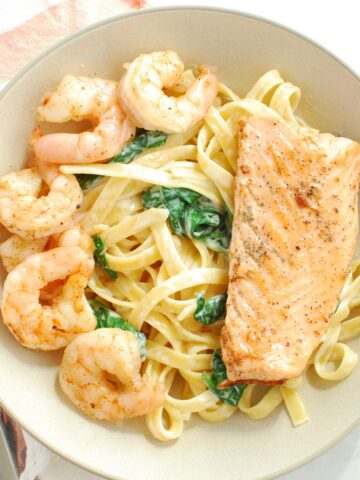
[293, 237]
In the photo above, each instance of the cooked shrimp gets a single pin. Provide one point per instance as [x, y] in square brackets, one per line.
[53, 326]
[80, 98]
[77, 98]
[72, 237]
[48, 171]
[100, 374]
[15, 249]
[142, 93]
[24, 213]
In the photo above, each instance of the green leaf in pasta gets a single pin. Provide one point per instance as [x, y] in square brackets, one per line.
[192, 215]
[231, 395]
[207, 222]
[140, 144]
[210, 311]
[100, 257]
[86, 180]
[107, 318]
[128, 153]
[177, 201]
[153, 198]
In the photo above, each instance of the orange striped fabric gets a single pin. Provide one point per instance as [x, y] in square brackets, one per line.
[28, 28]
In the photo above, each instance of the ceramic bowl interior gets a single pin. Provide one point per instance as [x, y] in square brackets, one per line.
[242, 48]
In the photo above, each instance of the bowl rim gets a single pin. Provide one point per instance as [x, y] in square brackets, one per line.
[149, 11]
[168, 8]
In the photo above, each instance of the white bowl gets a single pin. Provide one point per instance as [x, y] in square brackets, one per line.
[242, 48]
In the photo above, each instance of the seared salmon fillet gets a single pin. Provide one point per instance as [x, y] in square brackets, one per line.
[294, 233]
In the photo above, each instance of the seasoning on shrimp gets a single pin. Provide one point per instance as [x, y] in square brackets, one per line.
[100, 374]
[16, 249]
[80, 98]
[142, 93]
[75, 237]
[25, 213]
[53, 326]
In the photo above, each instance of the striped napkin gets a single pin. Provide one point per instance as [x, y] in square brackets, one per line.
[27, 27]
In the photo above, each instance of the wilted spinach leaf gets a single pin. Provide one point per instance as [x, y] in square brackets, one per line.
[127, 154]
[107, 318]
[86, 180]
[210, 311]
[139, 145]
[192, 215]
[231, 395]
[100, 258]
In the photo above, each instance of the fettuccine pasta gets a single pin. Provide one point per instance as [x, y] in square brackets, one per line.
[160, 273]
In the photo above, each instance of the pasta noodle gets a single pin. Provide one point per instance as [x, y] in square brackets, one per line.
[160, 273]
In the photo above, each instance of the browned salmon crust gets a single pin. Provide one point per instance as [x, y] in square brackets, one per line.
[294, 234]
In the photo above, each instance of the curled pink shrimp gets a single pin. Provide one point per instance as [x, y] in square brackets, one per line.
[80, 98]
[143, 93]
[100, 374]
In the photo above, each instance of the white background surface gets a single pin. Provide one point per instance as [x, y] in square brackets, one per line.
[334, 25]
